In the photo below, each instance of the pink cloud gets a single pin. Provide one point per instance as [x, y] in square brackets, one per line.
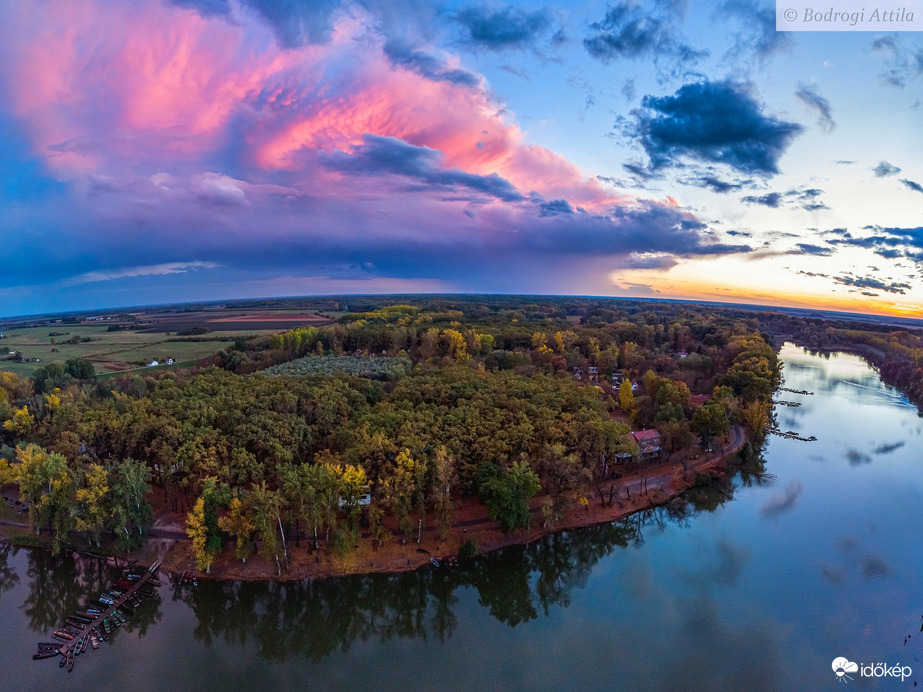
[123, 89]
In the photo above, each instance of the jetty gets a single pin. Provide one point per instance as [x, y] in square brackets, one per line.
[786, 403]
[796, 391]
[789, 435]
[95, 624]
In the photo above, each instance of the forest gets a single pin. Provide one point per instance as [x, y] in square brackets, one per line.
[380, 424]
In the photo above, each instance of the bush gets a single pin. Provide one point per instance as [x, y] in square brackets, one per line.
[468, 549]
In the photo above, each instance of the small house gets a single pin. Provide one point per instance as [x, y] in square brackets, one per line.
[649, 442]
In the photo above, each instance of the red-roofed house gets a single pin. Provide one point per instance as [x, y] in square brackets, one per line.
[649, 441]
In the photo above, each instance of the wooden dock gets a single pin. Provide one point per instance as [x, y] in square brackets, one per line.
[68, 646]
[789, 435]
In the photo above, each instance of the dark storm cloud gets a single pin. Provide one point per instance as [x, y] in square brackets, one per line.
[884, 169]
[713, 122]
[912, 185]
[809, 249]
[810, 96]
[401, 54]
[387, 155]
[772, 199]
[873, 283]
[508, 27]
[629, 31]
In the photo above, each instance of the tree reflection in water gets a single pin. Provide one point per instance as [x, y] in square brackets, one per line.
[8, 576]
[516, 584]
[62, 586]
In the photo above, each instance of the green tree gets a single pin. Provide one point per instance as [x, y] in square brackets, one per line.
[564, 478]
[80, 369]
[507, 493]
[399, 490]
[444, 479]
[130, 512]
[267, 519]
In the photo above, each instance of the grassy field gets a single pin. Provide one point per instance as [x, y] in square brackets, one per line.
[108, 351]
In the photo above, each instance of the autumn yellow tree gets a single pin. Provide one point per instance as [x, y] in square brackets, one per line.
[456, 346]
[91, 501]
[237, 523]
[197, 530]
[21, 422]
[354, 485]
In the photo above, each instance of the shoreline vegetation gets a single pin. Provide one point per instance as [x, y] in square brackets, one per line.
[634, 493]
[328, 449]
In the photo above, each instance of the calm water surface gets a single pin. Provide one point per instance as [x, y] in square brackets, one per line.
[814, 551]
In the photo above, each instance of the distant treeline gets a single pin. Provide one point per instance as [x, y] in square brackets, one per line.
[896, 353]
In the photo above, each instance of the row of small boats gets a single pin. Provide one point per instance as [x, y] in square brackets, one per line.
[99, 619]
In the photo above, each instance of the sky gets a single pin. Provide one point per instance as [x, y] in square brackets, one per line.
[187, 150]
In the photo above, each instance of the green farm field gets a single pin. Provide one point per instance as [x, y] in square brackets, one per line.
[108, 351]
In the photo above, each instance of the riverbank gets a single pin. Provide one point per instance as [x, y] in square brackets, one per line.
[632, 493]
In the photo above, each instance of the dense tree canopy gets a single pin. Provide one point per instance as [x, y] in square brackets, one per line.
[498, 401]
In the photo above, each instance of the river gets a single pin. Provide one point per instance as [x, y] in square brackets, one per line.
[811, 552]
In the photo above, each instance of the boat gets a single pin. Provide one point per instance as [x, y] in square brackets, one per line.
[64, 636]
[94, 641]
[434, 562]
[86, 643]
[63, 659]
[70, 660]
[45, 654]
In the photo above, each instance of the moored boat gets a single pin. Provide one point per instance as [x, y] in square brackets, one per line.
[44, 654]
